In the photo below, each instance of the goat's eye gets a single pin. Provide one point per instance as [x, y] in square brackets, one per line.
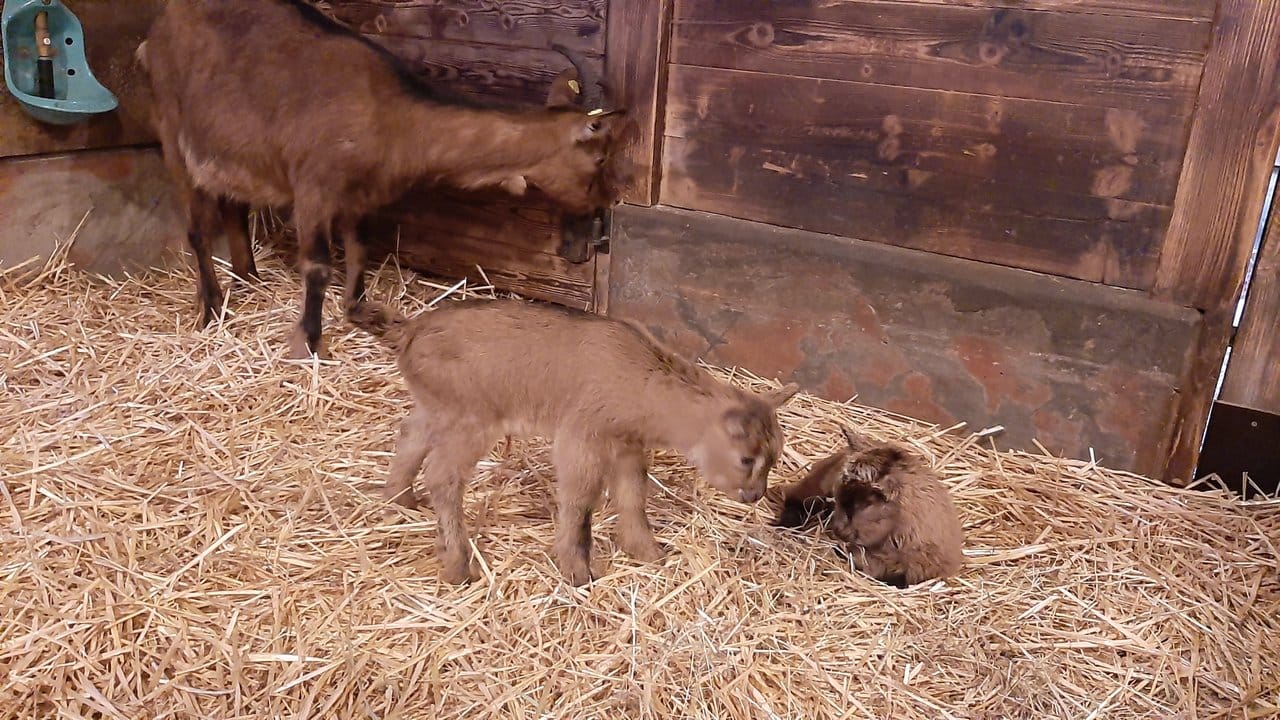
[747, 461]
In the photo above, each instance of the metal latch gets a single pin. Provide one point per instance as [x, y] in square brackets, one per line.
[582, 236]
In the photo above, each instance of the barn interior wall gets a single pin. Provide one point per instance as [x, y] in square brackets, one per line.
[841, 193]
[101, 181]
[992, 143]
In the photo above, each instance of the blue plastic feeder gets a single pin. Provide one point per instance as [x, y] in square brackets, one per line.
[77, 94]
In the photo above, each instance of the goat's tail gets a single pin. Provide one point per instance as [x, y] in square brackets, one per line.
[141, 55]
[385, 324]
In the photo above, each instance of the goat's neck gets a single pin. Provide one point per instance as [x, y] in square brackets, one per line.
[677, 418]
[465, 144]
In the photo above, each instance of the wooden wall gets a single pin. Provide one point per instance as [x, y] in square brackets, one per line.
[1047, 137]
[103, 177]
[1048, 140]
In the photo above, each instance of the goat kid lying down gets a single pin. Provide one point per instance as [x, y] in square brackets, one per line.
[889, 508]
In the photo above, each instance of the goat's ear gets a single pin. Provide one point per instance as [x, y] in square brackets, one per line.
[778, 398]
[598, 124]
[565, 90]
[821, 480]
[857, 441]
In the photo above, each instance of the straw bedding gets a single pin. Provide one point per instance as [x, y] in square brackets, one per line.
[190, 528]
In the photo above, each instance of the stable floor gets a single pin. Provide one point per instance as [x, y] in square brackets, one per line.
[190, 527]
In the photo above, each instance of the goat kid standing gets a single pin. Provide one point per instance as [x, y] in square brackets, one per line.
[271, 103]
[604, 390]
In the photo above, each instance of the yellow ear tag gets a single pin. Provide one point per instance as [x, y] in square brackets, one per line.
[573, 85]
[597, 111]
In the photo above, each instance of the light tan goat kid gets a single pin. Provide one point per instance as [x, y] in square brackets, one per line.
[604, 390]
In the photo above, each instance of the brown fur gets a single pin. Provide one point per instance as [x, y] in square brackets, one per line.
[270, 103]
[604, 391]
[887, 506]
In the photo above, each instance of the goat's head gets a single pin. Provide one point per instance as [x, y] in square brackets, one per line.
[865, 511]
[863, 514]
[737, 453]
[587, 171]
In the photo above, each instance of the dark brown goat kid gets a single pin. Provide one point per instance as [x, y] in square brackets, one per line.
[271, 103]
[604, 391]
[887, 506]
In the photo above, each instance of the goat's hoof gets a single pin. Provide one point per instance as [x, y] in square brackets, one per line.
[209, 313]
[458, 574]
[406, 500]
[647, 551]
[353, 309]
[577, 573]
[300, 349]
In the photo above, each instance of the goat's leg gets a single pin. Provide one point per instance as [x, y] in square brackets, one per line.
[199, 208]
[201, 223]
[314, 261]
[356, 260]
[630, 490]
[412, 446]
[235, 228]
[449, 467]
[580, 468]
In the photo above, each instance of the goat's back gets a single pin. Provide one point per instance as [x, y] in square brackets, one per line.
[248, 89]
[497, 359]
[929, 526]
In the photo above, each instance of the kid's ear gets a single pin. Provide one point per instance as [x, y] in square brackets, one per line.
[778, 398]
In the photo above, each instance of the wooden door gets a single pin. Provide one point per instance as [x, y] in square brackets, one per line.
[1245, 422]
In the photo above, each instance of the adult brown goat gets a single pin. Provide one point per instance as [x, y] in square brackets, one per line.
[271, 103]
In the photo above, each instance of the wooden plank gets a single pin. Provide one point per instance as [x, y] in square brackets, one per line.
[113, 31]
[133, 219]
[1253, 372]
[1101, 152]
[1056, 233]
[1220, 195]
[1178, 9]
[1041, 186]
[1074, 365]
[514, 240]
[1142, 63]
[533, 24]
[636, 66]
[498, 75]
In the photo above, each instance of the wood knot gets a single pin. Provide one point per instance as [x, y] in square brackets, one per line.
[760, 34]
[508, 21]
[990, 53]
[464, 19]
[889, 149]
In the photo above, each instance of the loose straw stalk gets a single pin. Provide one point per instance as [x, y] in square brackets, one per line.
[190, 527]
